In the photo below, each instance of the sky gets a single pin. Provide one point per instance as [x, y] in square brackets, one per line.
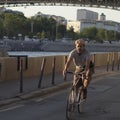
[69, 12]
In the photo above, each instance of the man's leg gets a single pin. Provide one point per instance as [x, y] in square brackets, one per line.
[84, 93]
[84, 89]
[86, 83]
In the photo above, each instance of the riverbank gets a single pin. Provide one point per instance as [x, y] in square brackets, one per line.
[68, 46]
[58, 46]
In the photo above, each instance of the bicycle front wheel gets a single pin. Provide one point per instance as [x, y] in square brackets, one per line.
[70, 105]
[81, 102]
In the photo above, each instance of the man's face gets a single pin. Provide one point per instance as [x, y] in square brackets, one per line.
[80, 48]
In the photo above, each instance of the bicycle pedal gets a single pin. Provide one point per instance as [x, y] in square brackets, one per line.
[82, 104]
[83, 100]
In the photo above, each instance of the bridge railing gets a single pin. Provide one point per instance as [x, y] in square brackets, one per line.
[114, 4]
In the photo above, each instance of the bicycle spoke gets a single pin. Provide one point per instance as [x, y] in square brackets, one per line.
[76, 97]
[81, 102]
[70, 105]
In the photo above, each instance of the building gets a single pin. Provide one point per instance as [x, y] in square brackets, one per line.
[4, 10]
[57, 18]
[102, 17]
[83, 14]
[85, 21]
[78, 26]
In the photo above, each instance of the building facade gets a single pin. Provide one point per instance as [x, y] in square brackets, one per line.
[78, 26]
[86, 14]
[86, 19]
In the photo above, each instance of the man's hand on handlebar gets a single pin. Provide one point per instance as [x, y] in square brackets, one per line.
[64, 73]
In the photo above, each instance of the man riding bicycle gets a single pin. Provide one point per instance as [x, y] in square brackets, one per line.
[82, 59]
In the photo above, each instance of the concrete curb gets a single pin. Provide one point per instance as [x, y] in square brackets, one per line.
[46, 91]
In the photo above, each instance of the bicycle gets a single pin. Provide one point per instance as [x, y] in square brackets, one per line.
[73, 99]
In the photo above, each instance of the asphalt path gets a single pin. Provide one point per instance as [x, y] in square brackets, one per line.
[103, 103]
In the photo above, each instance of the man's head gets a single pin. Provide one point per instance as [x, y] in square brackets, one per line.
[80, 45]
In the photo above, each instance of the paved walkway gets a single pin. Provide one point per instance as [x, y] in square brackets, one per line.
[10, 90]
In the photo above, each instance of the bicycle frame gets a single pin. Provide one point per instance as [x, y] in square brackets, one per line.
[74, 98]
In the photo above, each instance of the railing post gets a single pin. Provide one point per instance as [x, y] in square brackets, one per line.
[118, 61]
[93, 59]
[53, 71]
[41, 73]
[65, 60]
[113, 60]
[20, 67]
[108, 60]
[21, 75]
[0, 69]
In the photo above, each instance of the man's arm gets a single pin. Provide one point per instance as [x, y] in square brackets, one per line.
[87, 64]
[87, 68]
[69, 60]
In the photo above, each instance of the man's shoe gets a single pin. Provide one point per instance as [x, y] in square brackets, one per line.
[82, 105]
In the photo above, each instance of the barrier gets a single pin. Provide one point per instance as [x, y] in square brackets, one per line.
[53, 70]
[20, 67]
[118, 61]
[53, 65]
[41, 72]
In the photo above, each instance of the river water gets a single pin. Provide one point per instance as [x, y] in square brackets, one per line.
[40, 54]
[37, 54]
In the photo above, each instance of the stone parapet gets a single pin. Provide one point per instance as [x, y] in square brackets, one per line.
[9, 71]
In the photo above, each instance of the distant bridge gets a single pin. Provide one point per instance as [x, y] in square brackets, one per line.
[110, 4]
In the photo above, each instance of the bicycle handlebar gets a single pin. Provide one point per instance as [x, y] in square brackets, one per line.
[70, 72]
[82, 74]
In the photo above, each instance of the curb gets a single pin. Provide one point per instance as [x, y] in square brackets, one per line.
[37, 93]
[46, 91]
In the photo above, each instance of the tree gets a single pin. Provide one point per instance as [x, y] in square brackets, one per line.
[1, 28]
[101, 35]
[110, 35]
[43, 34]
[117, 36]
[14, 24]
[70, 33]
[61, 30]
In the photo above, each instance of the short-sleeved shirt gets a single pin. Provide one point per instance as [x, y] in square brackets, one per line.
[79, 59]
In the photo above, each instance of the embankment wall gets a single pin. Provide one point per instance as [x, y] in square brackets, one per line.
[9, 65]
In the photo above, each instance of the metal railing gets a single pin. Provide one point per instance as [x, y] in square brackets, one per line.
[114, 4]
[20, 67]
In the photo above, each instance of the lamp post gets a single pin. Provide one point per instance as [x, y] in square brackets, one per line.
[32, 25]
[56, 31]
[57, 23]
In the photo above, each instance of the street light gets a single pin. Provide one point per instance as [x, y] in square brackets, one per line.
[32, 24]
[56, 31]
[57, 23]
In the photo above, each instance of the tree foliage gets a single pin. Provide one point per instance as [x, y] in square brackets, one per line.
[12, 24]
[100, 35]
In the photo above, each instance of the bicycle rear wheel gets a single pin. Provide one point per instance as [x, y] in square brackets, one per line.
[70, 104]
